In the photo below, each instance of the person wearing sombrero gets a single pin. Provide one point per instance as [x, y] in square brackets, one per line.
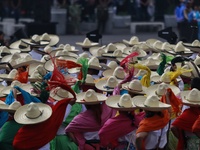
[186, 123]
[152, 130]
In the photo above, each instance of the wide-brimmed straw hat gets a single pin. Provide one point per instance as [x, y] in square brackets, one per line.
[37, 74]
[95, 64]
[179, 48]
[112, 65]
[150, 63]
[68, 48]
[118, 72]
[6, 90]
[20, 45]
[120, 45]
[130, 50]
[150, 103]
[9, 77]
[110, 48]
[10, 108]
[19, 59]
[134, 40]
[1, 94]
[135, 87]
[121, 102]
[90, 97]
[5, 51]
[51, 38]
[89, 80]
[86, 43]
[35, 41]
[160, 89]
[63, 53]
[33, 113]
[97, 51]
[107, 84]
[191, 97]
[195, 71]
[49, 64]
[194, 46]
[116, 54]
[151, 43]
[59, 94]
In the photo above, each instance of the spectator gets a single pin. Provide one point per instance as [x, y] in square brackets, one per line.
[143, 10]
[16, 8]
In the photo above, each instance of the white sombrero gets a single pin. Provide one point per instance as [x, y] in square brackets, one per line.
[95, 64]
[134, 86]
[150, 103]
[119, 45]
[151, 43]
[110, 48]
[6, 90]
[186, 74]
[35, 41]
[10, 108]
[9, 77]
[179, 48]
[160, 89]
[68, 48]
[116, 54]
[130, 50]
[20, 45]
[59, 94]
[194, 67]
[89, 80]
[121, 102]
[107, 84]
[51, 38]
[97, 51]
[133, 41]
[36, 74]
[194, 46]
[112, 65]
[118, 72]
[86, 43]
[191, 97]
[150, 63]
[49, 64]
[5, 51]
[90, 97]
[62, 53]
[33, 113]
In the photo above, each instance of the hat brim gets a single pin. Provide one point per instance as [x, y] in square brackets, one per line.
[129, 43]
[20, 114]
[80, 99]
[5, 107]
[7, 58]
[57, 97]
[54, 39]
[41, 44]
[70, 54]
[195, 70]
[113, 102]
[150, 66]
[192, 48]
[153, 88]
[109, 72]
[100, 67]
[120, 45]
[139, 102]
[125, 86]
[100, 85]
[48, 65]
[93, 50]
[184, 95]
[127, 51]
[86, 46]
[33, 66]
[6, 78]
[15, 45]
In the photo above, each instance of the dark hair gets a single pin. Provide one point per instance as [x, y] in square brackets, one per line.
[195, 83]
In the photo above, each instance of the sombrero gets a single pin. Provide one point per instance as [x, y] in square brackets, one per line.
[62, 53]
[107, 84]
[121, 102]
[89, 80]
[157, 46]
[133, 41]
[9, 77]
[134, 86]
[5, 51]
[45, 58]
[18, 60]
[150, 103]
[118, 72]
[20, 45]
[95, 64]
[112, 65]
[68, 48]
[35, 76]
[10, 108]
[163, 78]
[51, 38]
[49, 64]
[179, 48]
[86, 43]
[130, 50]
[194, 46]
[90, 97]
[151, 43]
[35, 41]
[33, 113]
[110, 48]
[164, 47]
[97, 51]
[195, 70]
[35, 66]
[6, 90]
[120, 45]
[186, 74]
[59, 94]
[116, 54]
[160, 89]
[191, 97]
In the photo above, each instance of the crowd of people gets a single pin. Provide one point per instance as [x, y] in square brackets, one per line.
[131, 94]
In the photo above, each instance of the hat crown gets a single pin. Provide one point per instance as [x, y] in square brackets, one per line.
[135, 85]
[152, 101]
[165, 45]
[110, 48]
[36, 38]
[45, 37]
[90, 95]
[94, 61]
[35, 74]
[45, 58]
[157, 44]
[61, 92]
[67, 47]
[117, 52]
[193, 95]
[84, 54]
[59, 53]
[112, 64]
[33, 111]
[21, 43]
[61, 46]
[141, 72]
[89, 79]
[119, 73]
[12, 73]
[24, 59]
[16, 83]
[87, 41]
[125, 101]
[15, 56]
[15, 105]
[13, 62]
[112, 82]
[165, 78]
[100, 51]
[48, 49]
[197, 61]
[41, 69]
[4, 49]
[161, 89]
[134, 40]
[150, 61]
[196, 43]
[179, 47]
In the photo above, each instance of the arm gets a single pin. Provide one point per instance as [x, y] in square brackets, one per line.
[139, 140]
